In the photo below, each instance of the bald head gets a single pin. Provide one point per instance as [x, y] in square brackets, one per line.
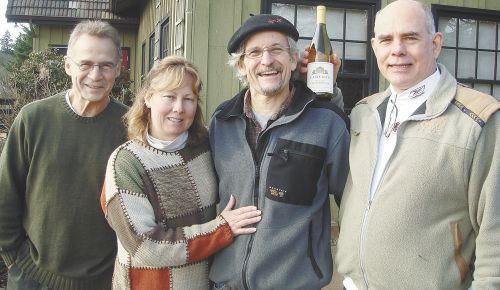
[414, 7]
[405, 43]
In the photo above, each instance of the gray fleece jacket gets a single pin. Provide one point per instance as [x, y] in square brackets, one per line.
[300, 159]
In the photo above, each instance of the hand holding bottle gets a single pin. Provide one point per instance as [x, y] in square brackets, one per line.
[305, 60]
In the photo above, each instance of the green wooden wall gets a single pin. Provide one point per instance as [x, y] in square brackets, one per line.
[208, 25]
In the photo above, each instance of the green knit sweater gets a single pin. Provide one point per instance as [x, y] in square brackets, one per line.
[51, 174]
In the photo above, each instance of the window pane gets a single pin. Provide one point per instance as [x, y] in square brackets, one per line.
[496, 91]
[353, 91]
[335, 23]
[338, 48]
[466, 64]
[486, 65]
[356, 21]
[483, 88]
[487, 31]
[285, 10]
[498, 66]
[498, 37]
[355, 58]
[447, 58]
[306, 20]
[448, 26]
[302, 44]
[467, 34]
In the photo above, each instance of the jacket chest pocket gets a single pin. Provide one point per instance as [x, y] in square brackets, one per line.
[294, 171]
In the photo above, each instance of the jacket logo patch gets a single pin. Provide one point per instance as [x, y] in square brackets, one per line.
[433, 126]
[277, 192]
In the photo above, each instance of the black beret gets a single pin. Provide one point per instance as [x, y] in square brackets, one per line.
[258, 23]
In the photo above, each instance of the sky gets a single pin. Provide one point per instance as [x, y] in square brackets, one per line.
[14, 31]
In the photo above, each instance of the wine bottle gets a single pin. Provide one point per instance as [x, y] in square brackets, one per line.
[320, 78]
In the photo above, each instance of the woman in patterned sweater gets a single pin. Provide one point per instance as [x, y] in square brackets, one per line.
[160, 190]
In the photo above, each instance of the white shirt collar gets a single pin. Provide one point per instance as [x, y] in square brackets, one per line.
[421, 90]
[69, 103]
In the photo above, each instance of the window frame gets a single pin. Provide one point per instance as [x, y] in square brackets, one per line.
[164, 37]
[143, 59]
[60, 49]
[151, 50]
[477, 15]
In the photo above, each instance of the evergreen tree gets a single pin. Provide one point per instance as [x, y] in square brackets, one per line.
[23, 46]
[6, 43]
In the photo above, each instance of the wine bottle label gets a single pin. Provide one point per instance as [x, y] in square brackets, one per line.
[320, 77]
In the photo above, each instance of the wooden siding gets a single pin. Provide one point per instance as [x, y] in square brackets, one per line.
[224, 17]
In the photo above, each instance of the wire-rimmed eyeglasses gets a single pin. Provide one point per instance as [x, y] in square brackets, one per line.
[88, 66]
[257, 52]
[392, 124]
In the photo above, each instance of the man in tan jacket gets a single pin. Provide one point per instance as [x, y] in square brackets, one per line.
[421, 206]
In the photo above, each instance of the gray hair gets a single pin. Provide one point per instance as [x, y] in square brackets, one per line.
[95, 28]
[235, 59]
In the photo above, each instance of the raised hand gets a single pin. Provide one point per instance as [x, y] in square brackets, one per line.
[304, 61]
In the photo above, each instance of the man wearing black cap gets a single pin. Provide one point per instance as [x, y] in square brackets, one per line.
[279, 148]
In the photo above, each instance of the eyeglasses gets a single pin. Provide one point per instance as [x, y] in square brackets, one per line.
[89, 66]
[275, 50]
[394, 127]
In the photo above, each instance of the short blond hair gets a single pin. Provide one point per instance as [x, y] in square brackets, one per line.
[167, 75]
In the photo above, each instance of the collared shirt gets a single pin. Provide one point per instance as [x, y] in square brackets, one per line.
[253, 126]
[399, 108]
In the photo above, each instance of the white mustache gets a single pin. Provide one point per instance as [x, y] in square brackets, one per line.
[270, 69]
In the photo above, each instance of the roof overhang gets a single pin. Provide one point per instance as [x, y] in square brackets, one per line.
[127, 7]
[44, 20]
[64, 12]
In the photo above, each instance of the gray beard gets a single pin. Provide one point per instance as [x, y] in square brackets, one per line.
[273, 91]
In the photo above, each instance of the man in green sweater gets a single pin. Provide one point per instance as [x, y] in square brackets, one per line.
[53, 234]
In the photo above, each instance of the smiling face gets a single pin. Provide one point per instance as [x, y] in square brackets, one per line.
[270, 74]
[172, 112]
[94, 85]
[406, 52]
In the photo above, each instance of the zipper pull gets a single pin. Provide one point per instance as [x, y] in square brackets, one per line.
[282, 154]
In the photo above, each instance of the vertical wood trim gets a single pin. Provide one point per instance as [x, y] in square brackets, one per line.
[197, 46]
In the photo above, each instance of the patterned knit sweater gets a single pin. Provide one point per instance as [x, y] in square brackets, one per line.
[162, 207]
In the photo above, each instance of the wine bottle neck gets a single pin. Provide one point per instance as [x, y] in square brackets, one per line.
[320, 15]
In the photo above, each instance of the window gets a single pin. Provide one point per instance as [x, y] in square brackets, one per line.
[5, 108]
[143, 59]
[471, 46]
[350, 28]
[59, 49]
[151, 50]
[179, 27]
[164, 38]
[125, 58]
